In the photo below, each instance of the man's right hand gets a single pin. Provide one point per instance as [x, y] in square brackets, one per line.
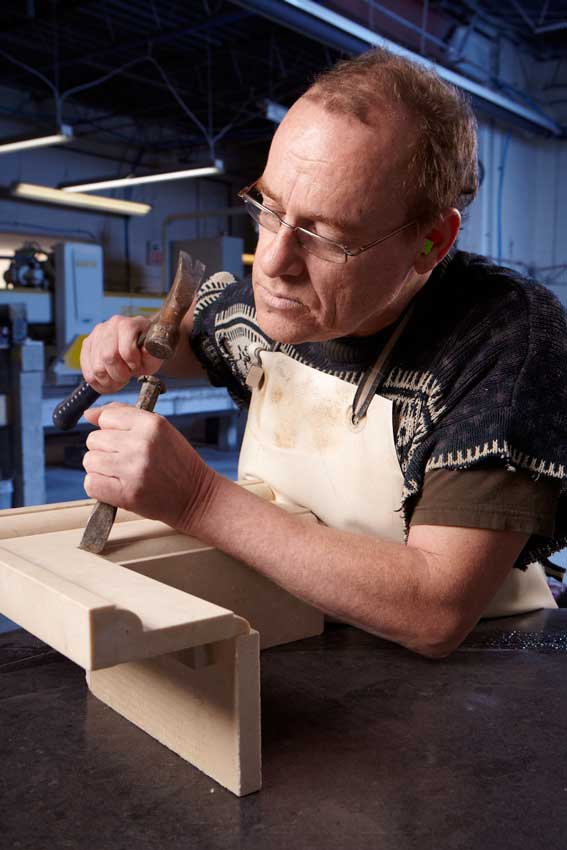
[110, 355]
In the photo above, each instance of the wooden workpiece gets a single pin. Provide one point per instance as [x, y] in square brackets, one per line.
[167, 628]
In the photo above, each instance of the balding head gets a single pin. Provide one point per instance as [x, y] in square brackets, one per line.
[438, 140]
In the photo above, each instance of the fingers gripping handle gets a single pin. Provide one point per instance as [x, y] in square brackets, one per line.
[160, 340]
[103, 515]
[69, 411]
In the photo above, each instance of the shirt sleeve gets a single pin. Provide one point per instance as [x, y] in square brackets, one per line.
[218, 338]
[498, 499]
[499, 399]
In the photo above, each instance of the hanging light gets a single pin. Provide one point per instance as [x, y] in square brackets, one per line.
[114, 183]
[65, 134]
[46, 194]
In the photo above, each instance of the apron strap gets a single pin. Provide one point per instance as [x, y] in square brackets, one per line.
[375, 375]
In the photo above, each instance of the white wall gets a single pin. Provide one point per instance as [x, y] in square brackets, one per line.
[520, 215]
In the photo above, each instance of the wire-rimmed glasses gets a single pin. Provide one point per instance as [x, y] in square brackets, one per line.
[312, 243]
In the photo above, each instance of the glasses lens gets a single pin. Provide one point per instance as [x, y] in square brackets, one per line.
[263, 217]
[313, 244]
[310, 242]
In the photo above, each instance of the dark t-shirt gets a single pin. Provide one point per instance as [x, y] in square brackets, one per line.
[478, 383]
[498, 499]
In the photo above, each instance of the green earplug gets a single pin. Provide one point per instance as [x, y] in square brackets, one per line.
[427, 247]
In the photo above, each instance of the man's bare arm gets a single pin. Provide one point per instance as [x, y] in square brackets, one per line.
[426, 595]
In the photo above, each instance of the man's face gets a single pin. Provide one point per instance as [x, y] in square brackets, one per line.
[340, 178]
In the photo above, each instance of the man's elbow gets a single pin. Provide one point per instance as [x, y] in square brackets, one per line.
[441, 639]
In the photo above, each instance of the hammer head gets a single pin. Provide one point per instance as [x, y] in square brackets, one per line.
[163, 333]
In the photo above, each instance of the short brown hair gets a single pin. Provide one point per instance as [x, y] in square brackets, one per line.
[442, 170]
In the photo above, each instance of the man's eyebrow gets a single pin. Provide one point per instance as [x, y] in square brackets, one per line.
[339, 222]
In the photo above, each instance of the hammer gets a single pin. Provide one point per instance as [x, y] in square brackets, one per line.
[160, 340]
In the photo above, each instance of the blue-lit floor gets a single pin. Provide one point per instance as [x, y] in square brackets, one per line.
[66, 485]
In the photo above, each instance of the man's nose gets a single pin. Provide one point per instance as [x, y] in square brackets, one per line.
[279, 253]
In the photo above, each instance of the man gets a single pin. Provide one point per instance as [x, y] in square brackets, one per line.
[409, 396]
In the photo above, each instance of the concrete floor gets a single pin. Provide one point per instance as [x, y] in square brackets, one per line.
[64, 484]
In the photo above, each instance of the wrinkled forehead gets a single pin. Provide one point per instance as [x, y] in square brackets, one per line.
[325, 148]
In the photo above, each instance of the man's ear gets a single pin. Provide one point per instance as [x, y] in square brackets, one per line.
[437, 241]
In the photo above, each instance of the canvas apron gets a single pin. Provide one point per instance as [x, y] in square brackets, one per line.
[320, 444]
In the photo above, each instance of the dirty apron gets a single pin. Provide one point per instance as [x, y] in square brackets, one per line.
[322, 445]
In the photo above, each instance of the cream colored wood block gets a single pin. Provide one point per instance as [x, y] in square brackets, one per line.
[202, 702]
[42, 519]
[161, 624]
[95, 612]
[155, 550]
[187, 564]
[207, 712]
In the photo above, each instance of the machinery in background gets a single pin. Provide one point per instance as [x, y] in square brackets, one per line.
[63, 294]
[51, 302]
[31, 267]
[218, 253]
[22, 479]
[79, 292]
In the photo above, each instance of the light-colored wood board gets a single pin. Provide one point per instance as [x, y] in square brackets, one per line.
[41, 519]
[183, 562]
[102, 614]
[146, 538]
[76, 622]
[211, 574]
[210, 716]
[153, 549]
[61, 516]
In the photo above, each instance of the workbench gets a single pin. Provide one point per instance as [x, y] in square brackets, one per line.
[365, 745]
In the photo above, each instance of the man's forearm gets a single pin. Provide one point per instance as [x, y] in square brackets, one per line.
[380, 586]
[426, 595]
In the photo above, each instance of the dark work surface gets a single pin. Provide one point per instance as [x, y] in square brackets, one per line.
[364, 746]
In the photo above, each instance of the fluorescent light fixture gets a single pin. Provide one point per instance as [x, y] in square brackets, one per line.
[32, 192]
[95, 185]
[64, 135]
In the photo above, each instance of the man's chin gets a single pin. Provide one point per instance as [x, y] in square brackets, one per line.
[285, 329]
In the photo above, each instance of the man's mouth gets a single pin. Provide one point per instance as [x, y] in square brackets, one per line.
[279, 302]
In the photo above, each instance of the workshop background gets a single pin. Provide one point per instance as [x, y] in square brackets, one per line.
[134, 88]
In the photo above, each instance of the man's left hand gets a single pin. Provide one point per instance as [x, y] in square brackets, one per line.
[139, 461]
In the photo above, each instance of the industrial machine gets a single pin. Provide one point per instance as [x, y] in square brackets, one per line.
[52, 300]
[63, 294]
[64, 297]
[21, 437]
[30, 267]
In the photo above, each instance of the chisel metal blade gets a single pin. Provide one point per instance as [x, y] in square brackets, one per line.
[98, 528]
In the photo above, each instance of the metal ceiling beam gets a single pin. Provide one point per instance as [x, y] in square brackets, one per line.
[308, 17]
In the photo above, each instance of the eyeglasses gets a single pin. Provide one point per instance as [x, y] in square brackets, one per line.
[312, 243]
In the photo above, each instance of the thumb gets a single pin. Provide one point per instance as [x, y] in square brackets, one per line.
[149, 364]
[92, 414]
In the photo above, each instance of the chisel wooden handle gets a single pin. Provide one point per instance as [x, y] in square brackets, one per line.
[69, 411]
